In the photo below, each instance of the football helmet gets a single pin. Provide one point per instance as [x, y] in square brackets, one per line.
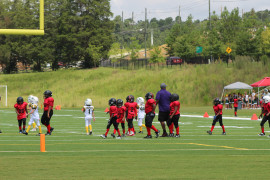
[174, 97]
[119, 102]
[216, 101]
[88, 102]
[112, 101]
[140, 100]
[30, 98]
[266, 99]
[35, 100]
[47, 93]
[130, 98]
[149, 96]
[20, 100]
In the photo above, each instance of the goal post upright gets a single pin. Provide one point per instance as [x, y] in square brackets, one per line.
[39, 31]
[5, 86]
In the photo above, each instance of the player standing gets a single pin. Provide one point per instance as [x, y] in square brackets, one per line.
[141, 112]
[34, 115]
[218, 116]
[121, 114]
[22, 113]
[174, 115]
[150, 107]
[48, 111]
[113, 118]
[266, 113]
[235, 105]
[29, 100]
[131, 114]
[88, 110]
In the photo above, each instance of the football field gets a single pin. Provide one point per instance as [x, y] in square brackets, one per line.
[71, 154]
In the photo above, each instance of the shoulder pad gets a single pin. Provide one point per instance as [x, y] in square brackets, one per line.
[34, 106]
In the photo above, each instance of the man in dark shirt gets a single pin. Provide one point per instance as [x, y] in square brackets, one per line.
[163, 102]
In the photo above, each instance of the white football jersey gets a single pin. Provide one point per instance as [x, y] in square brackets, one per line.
[141, 111]
[88, 111]
[35, 114]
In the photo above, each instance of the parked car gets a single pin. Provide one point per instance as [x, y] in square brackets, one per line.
[173, 60]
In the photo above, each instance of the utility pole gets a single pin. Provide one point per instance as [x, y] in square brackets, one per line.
[133, 18]
[121, 29]
[145, 31]
[179, 15]
[152, 37]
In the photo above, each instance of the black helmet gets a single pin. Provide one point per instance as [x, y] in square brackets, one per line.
[48, 93]
[127, 98]
[149, 96]
[19, 100]
[112, 101]
[174, 97]
[216, 101]
[119, 102]
[131, 98]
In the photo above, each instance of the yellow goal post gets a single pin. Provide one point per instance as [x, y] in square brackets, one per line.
[39, 31]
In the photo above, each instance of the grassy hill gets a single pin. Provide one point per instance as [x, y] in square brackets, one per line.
[196, 84]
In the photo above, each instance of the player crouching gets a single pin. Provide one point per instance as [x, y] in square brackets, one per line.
[218, 116]
[113, 118]
[150, 115]
[88, 110]
[174, 115]
[33, 103]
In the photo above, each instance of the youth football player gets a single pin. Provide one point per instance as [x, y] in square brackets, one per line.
[150, 107]
[131, 114]
[88, 110]
[141, 113]
[22, 113]
[34, 116]
[218, 117]
[174, 115]
[113, 118]
[29, 100]
[121, 114]
[235, 105]
[266, 113]
[48, 111]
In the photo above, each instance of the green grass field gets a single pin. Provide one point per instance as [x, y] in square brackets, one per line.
[71, 154]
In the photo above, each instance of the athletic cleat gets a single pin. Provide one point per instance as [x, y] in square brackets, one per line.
[261, 134]
[123, 135]
[34, 129]
[140, 132]
[23, 131]
[164, 135]
[171, 135]
[51, 130]
[157, 134]
[26, 133]
[48, 133]
[148, 137]
[118, 137]
[113, 135]
[0, 131]
[20, 131]
[177, 136]
[209, 132]
[90, 133]
[103, 136]
[224, 133]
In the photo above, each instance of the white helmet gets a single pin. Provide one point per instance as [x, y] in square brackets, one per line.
[88, 102]
[35, 100]
[266, 99]
[140, 100]
[30, 99]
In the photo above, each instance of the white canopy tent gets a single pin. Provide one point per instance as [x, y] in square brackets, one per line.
[237, 85]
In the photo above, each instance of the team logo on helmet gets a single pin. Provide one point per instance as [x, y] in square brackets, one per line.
[119, 102]
[112, 101]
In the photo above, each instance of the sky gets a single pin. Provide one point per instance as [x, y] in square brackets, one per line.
[199, 9]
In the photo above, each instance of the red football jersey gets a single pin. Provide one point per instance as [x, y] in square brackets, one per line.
[132, 109]
[113, 110]
[217, 108]
[120, 114]
[21, 109]
[149, 105]
[235, 102]
[48, 102]
[266, 108]
[172, 107]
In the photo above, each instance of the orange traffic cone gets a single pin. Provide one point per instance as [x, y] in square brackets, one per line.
[106, 110]
[59, 107]
[206, 115]
[254, 117]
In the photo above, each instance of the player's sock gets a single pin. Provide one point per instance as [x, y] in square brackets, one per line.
[114, 131]
[235, 113]
[177, 130]
[23, 127]
[124, 131]
[106, 133]
[20, 128]
[171, 129]
[133, 130]
[34, 125]
[140, 128]
[90, 127]
[212, 128]
[86, 128]
[223, 128]
[148, 131]
[28, 128]
[154, 128]
[128, 130]
[119, 132]
[40, 131]
[49, 128]
[262, 129]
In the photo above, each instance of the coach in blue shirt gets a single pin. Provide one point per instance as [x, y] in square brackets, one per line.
[163, 102]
